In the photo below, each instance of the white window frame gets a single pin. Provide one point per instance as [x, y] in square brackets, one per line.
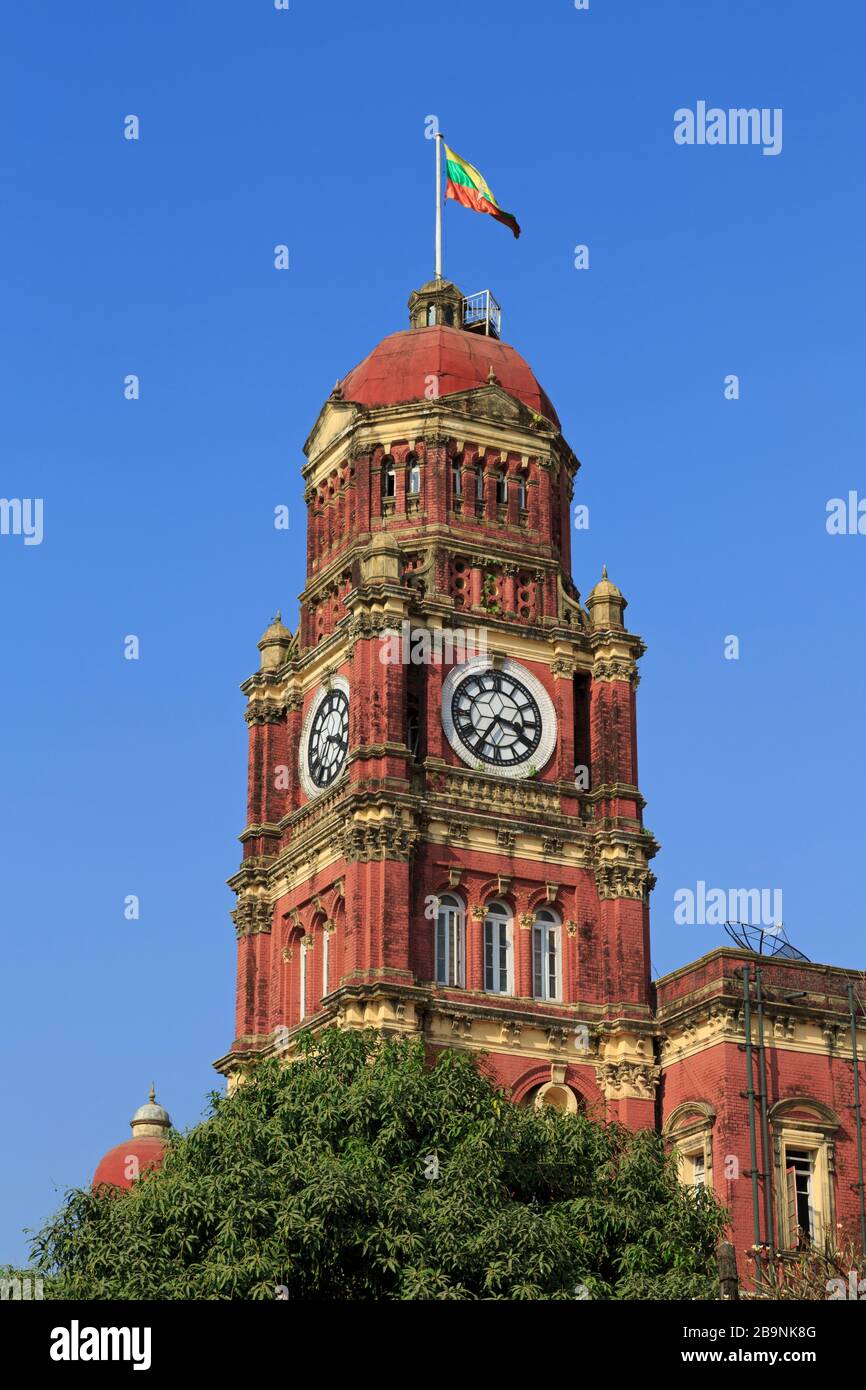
[819, 1186]
[389, 479]
[302, 981]
[501, 487]
[326, 953]
[450, 944]
[499, 921]
[546, 928]
[414, 478]
[521, 492]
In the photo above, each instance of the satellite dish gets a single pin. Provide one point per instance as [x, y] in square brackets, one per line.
[763, 941]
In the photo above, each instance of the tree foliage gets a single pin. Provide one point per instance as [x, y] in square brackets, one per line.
[360, 1171]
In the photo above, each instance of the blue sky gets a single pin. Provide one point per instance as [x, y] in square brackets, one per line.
[155, 257]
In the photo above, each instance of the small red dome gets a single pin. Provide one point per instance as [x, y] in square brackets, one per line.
[399, 369]
[123, 1164]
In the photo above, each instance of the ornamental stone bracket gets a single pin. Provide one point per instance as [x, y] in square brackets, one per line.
[364, 625]
[363, 841]
[461, 1025]
[252, 916]
[617, 669]
[551, 844]
[627, 1080]
[509, 1032]
[262, 711]
[623, 880]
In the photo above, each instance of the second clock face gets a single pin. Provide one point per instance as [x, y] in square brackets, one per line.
[498, 718]
[325, 740]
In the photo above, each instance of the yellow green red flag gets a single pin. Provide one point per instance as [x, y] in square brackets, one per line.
[467, 186]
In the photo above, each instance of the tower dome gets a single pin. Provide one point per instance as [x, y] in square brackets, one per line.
[402, 366]
[127, 1162]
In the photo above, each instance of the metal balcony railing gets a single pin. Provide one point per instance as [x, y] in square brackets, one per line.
[482, 311]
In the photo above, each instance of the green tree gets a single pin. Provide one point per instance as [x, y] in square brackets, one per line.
[361, 1171]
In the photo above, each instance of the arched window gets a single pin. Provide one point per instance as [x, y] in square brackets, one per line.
[498, 950]
[501, 487]
[450, 942]
[326, 961]
[389, 477]
[479, 483]
[431, 315]
[521, 491]
[414, 476]
[457, 476]
[302, 979]
[804, 1136]
[546, 956]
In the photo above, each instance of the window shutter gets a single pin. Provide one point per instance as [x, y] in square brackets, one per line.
[791, 1195]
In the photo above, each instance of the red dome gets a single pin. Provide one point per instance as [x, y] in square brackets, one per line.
[118, 1167]
[400, 367]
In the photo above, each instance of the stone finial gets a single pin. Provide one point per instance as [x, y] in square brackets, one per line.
[606, 604]
[150, 1120]
[275, 644]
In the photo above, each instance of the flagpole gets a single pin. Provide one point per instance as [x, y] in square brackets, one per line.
[438, 206]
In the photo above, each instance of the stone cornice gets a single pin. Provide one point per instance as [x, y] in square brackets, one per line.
[478, 414]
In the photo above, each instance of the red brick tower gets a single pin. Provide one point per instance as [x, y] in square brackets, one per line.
[444, 828]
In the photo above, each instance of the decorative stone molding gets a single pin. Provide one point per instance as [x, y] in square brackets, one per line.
[562, 669]
[526, 920]
[551, 844]
[477, 913]
[506, 839]
[509, 1032]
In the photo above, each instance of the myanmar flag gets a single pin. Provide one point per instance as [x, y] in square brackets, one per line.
[470, 188]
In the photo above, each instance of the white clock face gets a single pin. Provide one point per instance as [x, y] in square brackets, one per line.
[499, 719]
[325, 737]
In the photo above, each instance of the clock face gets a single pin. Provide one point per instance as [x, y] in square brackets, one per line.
[325, 737]
[498, 718]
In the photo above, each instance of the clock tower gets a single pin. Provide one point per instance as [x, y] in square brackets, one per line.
[444, 830]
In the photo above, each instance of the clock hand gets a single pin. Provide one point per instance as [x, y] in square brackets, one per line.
[510, 725]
